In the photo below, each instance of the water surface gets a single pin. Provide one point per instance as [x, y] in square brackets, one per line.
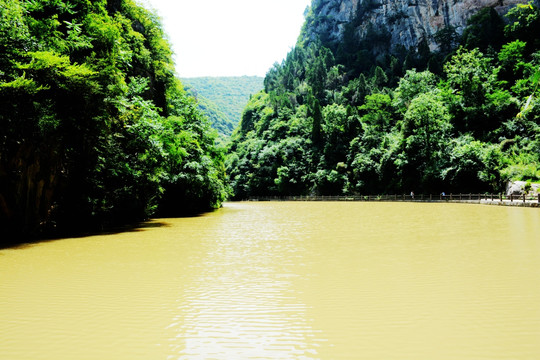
[292, 280]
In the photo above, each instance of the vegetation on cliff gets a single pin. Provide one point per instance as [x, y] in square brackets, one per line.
[334, 120]
[95, 129]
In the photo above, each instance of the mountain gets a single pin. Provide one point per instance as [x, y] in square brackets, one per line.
[397, 96]
[401, 22]
[218, 119]
[222, 99]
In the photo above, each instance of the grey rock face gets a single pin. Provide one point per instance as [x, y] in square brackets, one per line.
[520, 188]
[515, 188]
[408, 21]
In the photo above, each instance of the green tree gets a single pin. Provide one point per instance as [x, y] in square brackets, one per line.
[85, 92]
[472, 78]
[484, 29]
[426, 128]
[370, 148]
[378, 112]
[468, 166]
[524, 24]
[334, 130]
[447, 39]
[413, 84]
[316, 136]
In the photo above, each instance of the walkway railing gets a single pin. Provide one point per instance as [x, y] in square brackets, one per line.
[479, 198]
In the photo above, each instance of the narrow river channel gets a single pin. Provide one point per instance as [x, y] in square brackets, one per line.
[290, 280]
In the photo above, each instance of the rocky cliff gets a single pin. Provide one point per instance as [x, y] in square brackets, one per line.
[406, 22]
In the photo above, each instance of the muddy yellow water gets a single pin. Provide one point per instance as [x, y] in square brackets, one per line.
[284, 281]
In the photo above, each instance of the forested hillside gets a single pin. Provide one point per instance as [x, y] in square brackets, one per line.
[95, 130]
[336, 119]
[218, 119]
[223, 99]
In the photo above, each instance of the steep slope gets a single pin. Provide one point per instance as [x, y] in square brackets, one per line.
[222, 99]
[403, 22]
[218, 119]
[358, 108]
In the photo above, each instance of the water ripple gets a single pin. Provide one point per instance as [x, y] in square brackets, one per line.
[284, 281]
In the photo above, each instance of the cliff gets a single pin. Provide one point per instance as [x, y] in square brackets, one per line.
[402, 22]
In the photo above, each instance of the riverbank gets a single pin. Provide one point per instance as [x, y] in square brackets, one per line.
[482, 199]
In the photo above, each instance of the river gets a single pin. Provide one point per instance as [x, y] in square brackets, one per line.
[290, 280]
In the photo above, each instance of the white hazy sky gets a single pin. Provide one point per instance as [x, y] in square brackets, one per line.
[229, 37]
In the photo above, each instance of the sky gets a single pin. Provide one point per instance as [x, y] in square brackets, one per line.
[229, 37]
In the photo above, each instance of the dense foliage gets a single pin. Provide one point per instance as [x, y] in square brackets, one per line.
[218, 119]
[95, 129]
[333, 120]
[223, 99]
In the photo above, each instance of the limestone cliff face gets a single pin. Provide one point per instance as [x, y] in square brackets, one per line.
[407, 21]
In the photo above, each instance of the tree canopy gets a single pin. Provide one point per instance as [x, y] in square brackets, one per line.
[95, 129]
[334, 120]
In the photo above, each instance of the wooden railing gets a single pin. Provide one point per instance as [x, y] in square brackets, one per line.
[405, 197]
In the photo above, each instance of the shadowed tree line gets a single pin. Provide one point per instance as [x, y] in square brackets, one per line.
[95, 129]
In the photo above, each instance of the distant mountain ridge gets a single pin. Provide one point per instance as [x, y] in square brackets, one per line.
[223, 99]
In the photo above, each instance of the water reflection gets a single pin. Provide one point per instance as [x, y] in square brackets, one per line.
[242, 302]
